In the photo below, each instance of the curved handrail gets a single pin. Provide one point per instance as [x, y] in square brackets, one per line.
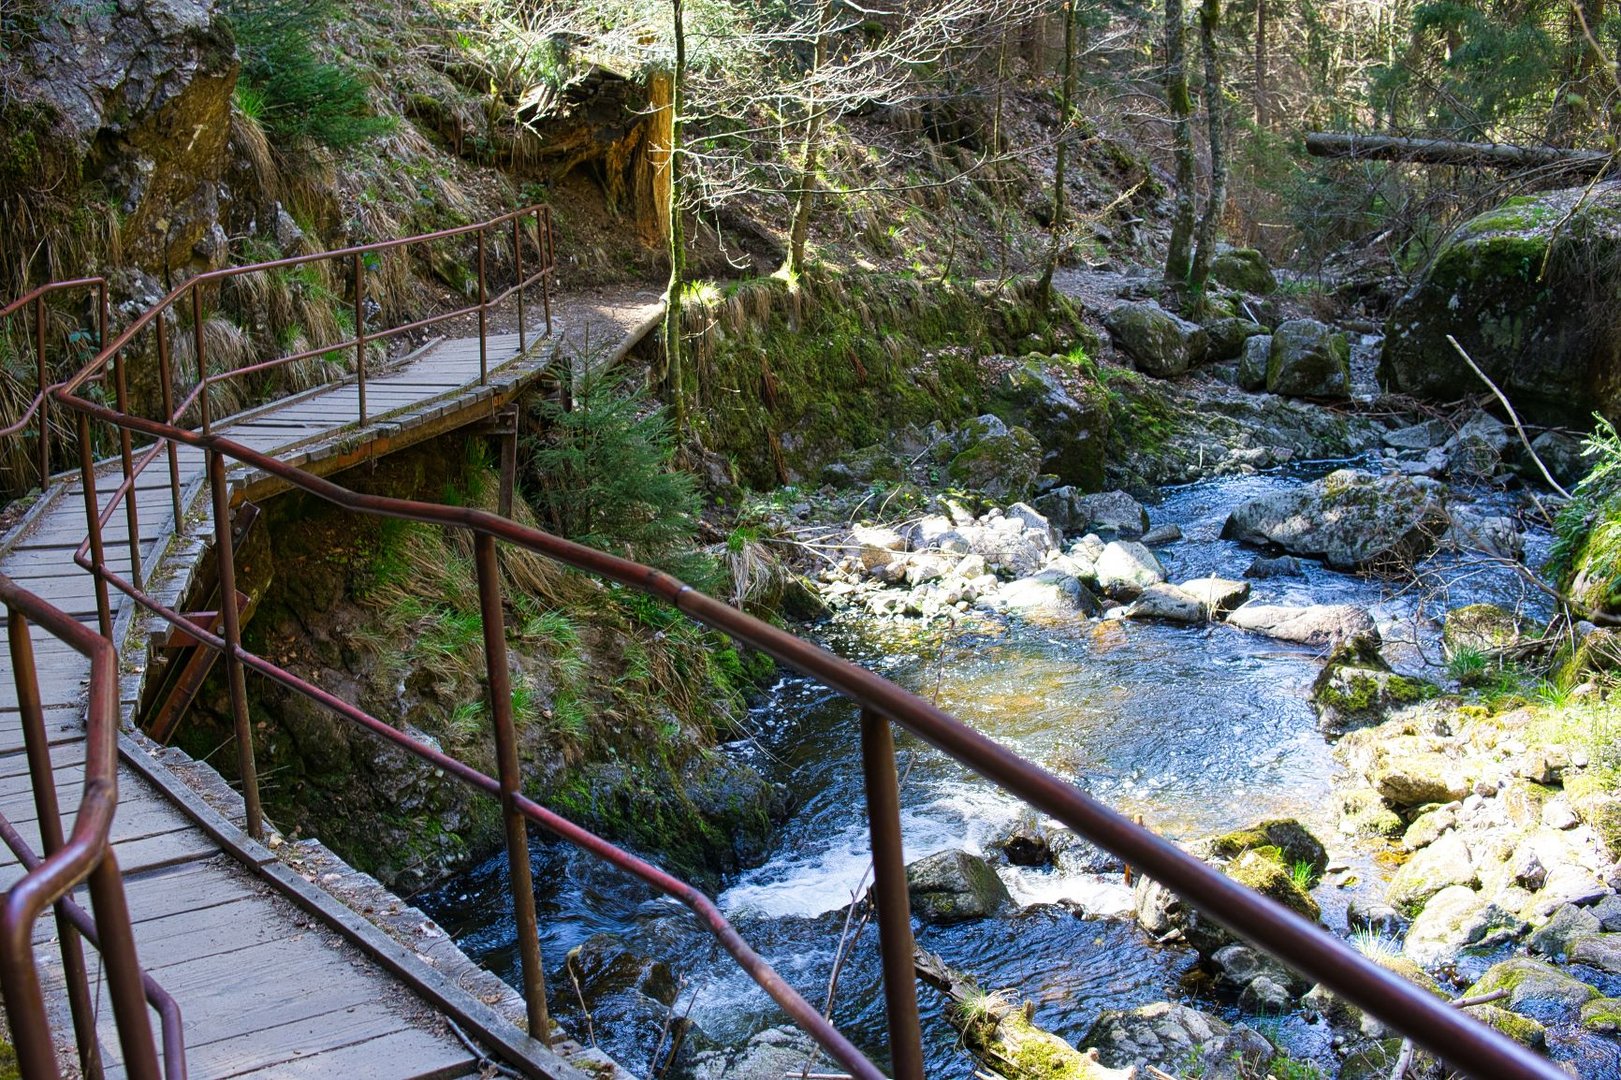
[85, 855]
[1447, 1032]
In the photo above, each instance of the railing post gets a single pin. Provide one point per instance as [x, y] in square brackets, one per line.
[483, 312]
[231, 619]
[44, 398]
[360, 333]
[200, 350]
[509, 461]
[543, 225]
[92, 511]
[132, 515]
[123, 970]
[166, 385]
[889, 886]
[42, 777]
[506, 751]
[517, 271]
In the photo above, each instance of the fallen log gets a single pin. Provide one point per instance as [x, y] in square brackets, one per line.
[1334, 144]
[1000, 1032]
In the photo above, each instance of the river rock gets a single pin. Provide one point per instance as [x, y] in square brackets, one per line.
[1280, 566]
[1239, 965]
[1252, 360]
[1308, 359]
[1244, 269]
[1562, 454]
[1227, 337]
[1429, 827]
[1161, 535]
[1602, 951]
[1161, 344]
[1553, 938]
[1110, 514]
[1544, 337]
[1480, 627]
[1126, 568]
[1375, 917]
[1318, 624]
[1162, 1035]
[1445, 862]
[951, 886]
[1072, 430]
[1167, 602]
[772, 1054]
[1496, 535]
[1404, 780]
[1217, 596]
[1363, 813]
[1000, 461]
[1357, 688]
[1431, 433]
[1349, 519]
[1538, 990]
[623, 989]
[1454, 919]
[1048, 593]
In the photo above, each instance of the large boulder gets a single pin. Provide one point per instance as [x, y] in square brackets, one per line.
[1162, 1034]
[1517, 287]
[1350, 519]
[1160, 343]
[1126, 568]
[1072, 430]
[1308, 359]
[1535, 989]
[1252, 361]
[1356, 688]
[1228, 336]
[951, 886]
[995, 459]
[1244, 269]
[1443, 864]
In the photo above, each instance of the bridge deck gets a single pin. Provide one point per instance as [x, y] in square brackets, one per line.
[264, 987]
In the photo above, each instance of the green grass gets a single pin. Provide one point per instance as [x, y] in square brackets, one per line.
[1303, 875]
[1467, 665]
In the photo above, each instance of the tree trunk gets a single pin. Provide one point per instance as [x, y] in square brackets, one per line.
[1216, 118]
[1180, 103]
[674, 383]
[1333, 144]
[1261, 117]
[810, 152]
[1065, 108]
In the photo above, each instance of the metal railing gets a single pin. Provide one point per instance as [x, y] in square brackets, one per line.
[68, 862]
[39, 404]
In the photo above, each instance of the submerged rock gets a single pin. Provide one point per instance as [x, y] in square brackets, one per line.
[951, 886]
[1349, 519]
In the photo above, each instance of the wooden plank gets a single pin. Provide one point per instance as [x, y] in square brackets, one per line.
[405, 1054]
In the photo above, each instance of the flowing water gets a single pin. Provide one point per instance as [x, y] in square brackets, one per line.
[1196, 729]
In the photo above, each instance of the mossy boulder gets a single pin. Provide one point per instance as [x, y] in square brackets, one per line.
[1244, 269]
[1602, 1015]
[1441, 865]
[1252, 361]
[1481, 627]
[1000, 462]
[1596, 803]
[1356, 688]
[1527, 289]
[1228, 336]
[1350, 519]
[1068, 417]
[1522, 1029]
[1535, 989]
[1364, 813]
[1291, 842]
[1308, 359]
[1161, 344]
[951, 886]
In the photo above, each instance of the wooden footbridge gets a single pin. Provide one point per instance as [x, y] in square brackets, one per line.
[211, 955]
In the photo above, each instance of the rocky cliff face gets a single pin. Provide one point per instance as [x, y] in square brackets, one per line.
[130, 102]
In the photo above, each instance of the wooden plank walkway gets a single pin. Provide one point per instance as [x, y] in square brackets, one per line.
[265, 988]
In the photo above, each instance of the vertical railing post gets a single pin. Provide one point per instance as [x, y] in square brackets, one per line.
[517, 277]
[360, 332]
[232, 626]
[509, 461]
[123, 969]
[200, 350]
[92, 512]
[483, 312]
[43, 779]
[132, 516]
[166, 386]
[506, 751]
[543, 225]
[44, 398]
[889, 886]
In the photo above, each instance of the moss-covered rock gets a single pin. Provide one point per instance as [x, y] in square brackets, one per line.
[1527, 289]
[1291, 842]
[1349, 519]
[1161, 344]
[1228, 337]
[1308, 359]
[953, 885]
[1001, 464]
[1481, 627]
[1356, 688]
[1522, 1029]
[1363, 813]
[1602, 1015]
[1440, 865]
[1535, 989]
[1067, 412]
[1244, 269]
[1252, 361]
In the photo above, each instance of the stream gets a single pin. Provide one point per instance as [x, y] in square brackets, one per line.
[1199, 730]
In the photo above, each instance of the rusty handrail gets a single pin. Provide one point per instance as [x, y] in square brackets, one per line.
[38, 403]
[1449, 1033]
[86, 855]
